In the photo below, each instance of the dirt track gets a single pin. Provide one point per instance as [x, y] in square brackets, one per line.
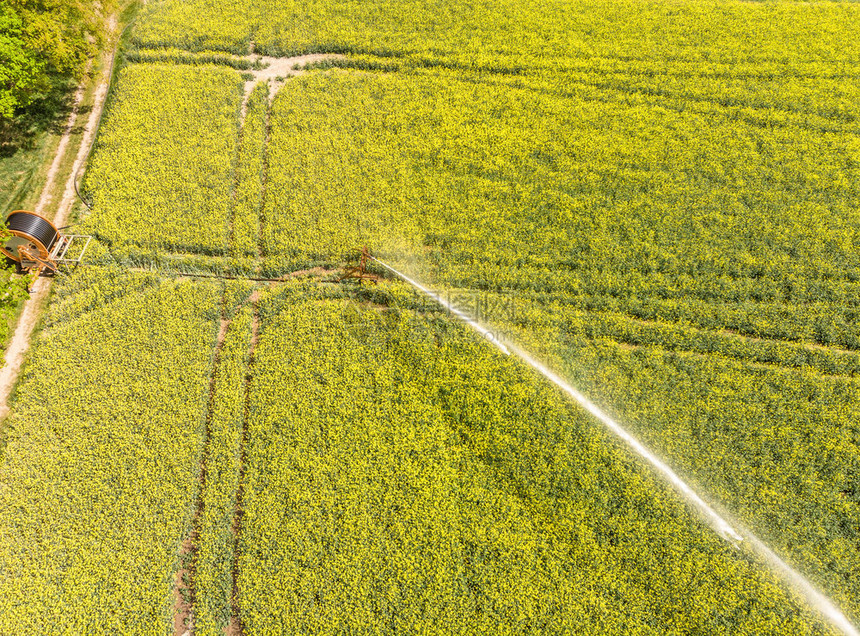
[69, 193]
[45, 197]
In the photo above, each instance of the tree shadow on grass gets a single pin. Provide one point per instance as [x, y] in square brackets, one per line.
[48, 113]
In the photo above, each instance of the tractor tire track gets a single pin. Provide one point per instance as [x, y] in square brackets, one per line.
[237, 179]
[184, 589]
[185, 595]
[236, 626]
[261, 213]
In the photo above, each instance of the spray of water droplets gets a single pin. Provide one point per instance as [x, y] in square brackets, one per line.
[732, 533]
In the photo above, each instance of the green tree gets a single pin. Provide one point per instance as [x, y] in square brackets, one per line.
[18, 69]
[42, 43]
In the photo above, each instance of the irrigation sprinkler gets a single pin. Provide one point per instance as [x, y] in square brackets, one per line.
[360, 271]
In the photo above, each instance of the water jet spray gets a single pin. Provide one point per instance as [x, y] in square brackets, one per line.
[733, 533]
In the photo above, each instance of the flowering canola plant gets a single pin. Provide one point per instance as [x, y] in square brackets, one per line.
[668, 192]
[100, 461]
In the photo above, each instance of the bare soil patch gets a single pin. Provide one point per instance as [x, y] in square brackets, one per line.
[277, 70]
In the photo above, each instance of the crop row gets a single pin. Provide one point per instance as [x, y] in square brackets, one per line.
[681, 337]
[511, 34]
[829, 322]
[181, 56]
[510, 187]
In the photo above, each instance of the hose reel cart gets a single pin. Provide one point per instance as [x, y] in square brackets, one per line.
[36, 245]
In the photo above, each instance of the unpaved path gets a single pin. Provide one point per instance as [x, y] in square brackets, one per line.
[69, 193]
[45, 197]
[20, 342]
